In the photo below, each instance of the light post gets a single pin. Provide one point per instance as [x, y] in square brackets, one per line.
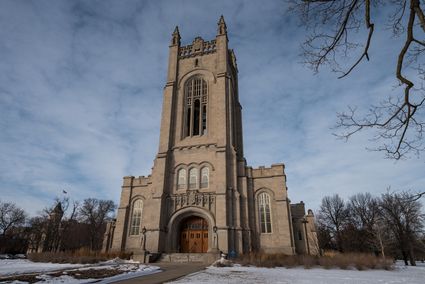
[215, 237]
[144, 244]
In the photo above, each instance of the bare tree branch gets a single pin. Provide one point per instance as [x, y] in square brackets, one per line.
[398, 124]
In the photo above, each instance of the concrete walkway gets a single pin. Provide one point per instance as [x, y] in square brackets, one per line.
[170, 271]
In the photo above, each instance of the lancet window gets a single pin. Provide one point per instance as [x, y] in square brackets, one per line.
[193, 178]
[264, 212]
[205, 177]
[181, 179]
[136, 217]
[196, 101]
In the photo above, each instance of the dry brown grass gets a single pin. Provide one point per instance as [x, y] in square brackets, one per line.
[358, 261]
[80, 256]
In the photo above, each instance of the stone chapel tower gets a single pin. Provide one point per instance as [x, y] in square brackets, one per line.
[201, 196]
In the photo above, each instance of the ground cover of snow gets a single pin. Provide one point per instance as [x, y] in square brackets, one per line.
[299, 275]
[21, 266]
[127, 269]
[128, 272]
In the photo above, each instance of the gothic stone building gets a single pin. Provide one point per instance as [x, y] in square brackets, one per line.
[201, 196]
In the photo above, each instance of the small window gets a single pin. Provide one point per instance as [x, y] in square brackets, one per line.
[205, 176]
[136, 217]
[300, 236]
[181, 179]
[193, 178]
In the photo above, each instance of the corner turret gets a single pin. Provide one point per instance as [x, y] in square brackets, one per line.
[176, 37]
[222, 29]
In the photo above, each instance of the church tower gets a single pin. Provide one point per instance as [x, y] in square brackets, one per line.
[200, 141]
[201, 196]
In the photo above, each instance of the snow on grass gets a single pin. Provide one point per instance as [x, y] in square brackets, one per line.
[21, 266]
[238, 274]
[68, 273]
[129, 271]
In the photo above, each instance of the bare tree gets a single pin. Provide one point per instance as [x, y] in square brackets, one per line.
[333, 215]
[398, 122]
[403, 217]
[365, 214]
[364, 210]
[10, 216]
[36, 231]
[95, 213]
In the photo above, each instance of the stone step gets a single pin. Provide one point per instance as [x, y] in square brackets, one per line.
[206, 258]
[148, 258]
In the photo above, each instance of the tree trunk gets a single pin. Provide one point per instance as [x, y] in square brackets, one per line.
[404, 257]
[411, 255]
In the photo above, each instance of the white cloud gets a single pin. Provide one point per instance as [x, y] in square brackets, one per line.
[81, 93]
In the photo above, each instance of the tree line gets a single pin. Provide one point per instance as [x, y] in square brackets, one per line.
[64, 226]
[389, 225]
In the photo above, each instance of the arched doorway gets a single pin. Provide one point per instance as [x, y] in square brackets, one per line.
[194, 235]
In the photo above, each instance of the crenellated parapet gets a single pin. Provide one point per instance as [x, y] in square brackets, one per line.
[262, 171]
[136, 181]
[198, 47]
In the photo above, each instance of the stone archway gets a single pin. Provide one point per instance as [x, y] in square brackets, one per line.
[194, 235]
[177, 224]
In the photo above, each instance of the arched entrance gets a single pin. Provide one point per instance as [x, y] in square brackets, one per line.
[194, 235]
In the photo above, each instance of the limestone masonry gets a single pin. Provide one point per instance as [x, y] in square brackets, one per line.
[201, 196]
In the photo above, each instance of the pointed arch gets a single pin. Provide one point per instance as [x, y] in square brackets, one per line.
[136, 217]
[264, 211]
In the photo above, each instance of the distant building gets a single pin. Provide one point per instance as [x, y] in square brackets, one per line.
[46, 238]
[201, 196]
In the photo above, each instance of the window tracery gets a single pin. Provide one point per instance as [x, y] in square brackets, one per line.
[264, 212]
[136, 217]
[196, 100]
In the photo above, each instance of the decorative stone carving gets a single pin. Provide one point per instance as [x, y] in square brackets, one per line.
[191, 198]
[198, 47]
[197, 44]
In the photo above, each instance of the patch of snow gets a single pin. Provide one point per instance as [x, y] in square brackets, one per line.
[130, 269]
[238, 274]
[21, 266]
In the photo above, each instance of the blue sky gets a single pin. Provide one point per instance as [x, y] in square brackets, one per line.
[81, 91]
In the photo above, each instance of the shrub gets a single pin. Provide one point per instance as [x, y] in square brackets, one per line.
[80, 256]
[358, 261]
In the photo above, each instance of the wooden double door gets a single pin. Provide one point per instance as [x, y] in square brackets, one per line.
[194, 235]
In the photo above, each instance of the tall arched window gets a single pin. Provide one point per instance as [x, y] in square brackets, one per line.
[193, 178]
[196, 100]
[136, 217]
[205, 177]
[181, 179]
[264, 212]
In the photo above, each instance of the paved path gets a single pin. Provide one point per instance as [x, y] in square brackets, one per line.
[170, 271]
